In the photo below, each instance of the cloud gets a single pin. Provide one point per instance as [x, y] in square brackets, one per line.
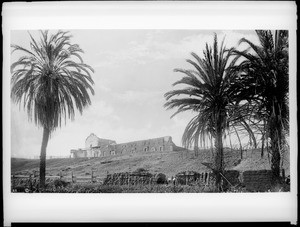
[21, 143]
[152, 48]
[100, 109]
[130, 80]
[26, 137]
[134, 96]
[103, 87]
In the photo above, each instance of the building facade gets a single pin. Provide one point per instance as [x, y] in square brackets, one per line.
[80, 153]
[98, 147]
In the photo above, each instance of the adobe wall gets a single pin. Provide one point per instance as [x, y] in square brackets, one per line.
[162, 144]
[257, 181]
[80, 153]
[97, 147]
[93, 141]
[152, 145]
[232, 176]
[253, 180]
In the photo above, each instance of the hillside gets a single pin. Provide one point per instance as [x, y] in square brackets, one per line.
[169, 163]
[252, 161]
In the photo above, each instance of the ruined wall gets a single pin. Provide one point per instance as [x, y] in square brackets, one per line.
[232, 176]
[257, 181]
[97, 147]
[161, 144]
[253, 181]
[94, 141]
[80, 153]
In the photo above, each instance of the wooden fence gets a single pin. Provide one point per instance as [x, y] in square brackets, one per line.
[190, 177]
[68, 178]
[183, 178]
[125, 178]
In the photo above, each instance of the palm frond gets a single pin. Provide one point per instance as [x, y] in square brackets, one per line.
[48, 82]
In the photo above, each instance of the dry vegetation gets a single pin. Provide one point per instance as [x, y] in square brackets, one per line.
[169, 163]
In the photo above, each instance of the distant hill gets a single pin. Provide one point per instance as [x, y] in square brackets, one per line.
[169, 163]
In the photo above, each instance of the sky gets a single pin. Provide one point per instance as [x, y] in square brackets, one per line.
[133, 71]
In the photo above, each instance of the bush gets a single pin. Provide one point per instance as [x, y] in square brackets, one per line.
[25, 185]
[60, 183]
[161, 178]
[140, 170]
[59, 186]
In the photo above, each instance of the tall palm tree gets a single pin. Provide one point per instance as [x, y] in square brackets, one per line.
[50, 83]
[212, 93]
[266, 78]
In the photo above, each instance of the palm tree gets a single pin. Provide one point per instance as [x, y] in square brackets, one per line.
[212, 93]
[50, 83]
[266, 78]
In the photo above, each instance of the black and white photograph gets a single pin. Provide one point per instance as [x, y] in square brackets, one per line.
[148, 111]
[144, 110]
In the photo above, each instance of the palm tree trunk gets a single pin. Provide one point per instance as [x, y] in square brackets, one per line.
[46, 134]
[263, 140]
[262, 146]
[275, 130]
[275, 159]
[219, 157]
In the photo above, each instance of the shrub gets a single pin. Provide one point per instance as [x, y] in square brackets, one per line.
[111, 189]
[161, 178]
[140, 170]
[60, 183]
[19, 188]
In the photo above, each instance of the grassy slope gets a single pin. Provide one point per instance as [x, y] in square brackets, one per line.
[252, 160]
[168, 163]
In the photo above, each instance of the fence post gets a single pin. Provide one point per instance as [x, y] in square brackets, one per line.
[13, 182]
[60, 175]
[30, 182]
[207, 178]
[92, 176]
[73, 178]
[128, 180]
[185, 176]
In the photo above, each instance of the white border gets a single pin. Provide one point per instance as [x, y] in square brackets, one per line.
[148, 207]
